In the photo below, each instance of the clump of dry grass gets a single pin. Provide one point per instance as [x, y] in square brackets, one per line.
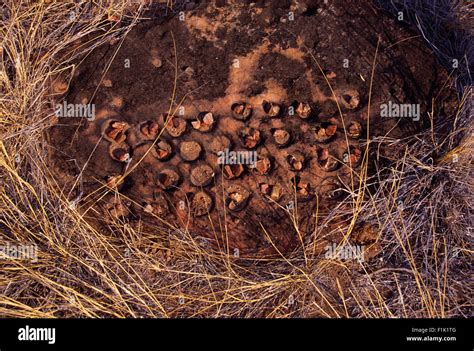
[421, 207]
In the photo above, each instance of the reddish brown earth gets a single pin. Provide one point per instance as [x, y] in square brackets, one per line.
[240, 53]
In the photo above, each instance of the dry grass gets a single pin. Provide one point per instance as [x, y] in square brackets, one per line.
[421, 206]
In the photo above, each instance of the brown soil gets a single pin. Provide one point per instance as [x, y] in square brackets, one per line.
[241, 53]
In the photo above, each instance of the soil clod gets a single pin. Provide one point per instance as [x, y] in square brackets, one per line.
[204, 122]
[325, 133]
[190, 150]
[163, 150]
[250, 137]
[271, 192]
[282, 137]
[302, 188]
[120, 152]
[272, 109]
[352, 158]
[114, 131]
[201, 204]
[262, 166]
[303, 109]
[149, 130]
[326, 161]
[233, 171]
[176, 126]
[296, 161]
[202, 175]
[241, 111]
[354, 130]
[237, 198]
[168, 179]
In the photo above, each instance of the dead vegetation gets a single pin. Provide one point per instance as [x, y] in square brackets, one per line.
[421, 208]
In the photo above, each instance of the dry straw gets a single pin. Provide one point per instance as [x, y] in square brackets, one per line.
[422, 208]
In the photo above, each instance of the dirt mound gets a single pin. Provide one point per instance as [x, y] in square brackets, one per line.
[252, 130]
